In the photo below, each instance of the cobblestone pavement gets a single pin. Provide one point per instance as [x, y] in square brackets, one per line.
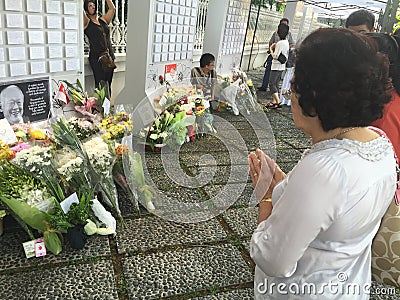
[156, 259]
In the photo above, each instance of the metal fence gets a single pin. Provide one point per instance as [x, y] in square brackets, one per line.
[267, 23]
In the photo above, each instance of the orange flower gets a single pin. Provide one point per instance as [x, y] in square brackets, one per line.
[121, 149]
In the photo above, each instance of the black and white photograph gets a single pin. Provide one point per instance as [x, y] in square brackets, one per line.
[26, 100]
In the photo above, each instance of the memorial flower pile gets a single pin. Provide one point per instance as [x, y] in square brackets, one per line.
[37, 177]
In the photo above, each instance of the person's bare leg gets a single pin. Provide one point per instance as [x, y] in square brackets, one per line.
[275, 98]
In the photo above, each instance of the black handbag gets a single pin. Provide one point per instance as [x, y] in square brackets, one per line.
[282, 58]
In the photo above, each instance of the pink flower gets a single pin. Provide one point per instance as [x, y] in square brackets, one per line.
[20, 147]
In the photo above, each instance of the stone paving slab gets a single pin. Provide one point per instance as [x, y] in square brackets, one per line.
[288, 155]
[230, 117]
[242, 221]
[286, 167]
[243, 294]
[177, 272]
[242, 140]
[154, 232]
[12, 254]
[297, 143]
[291, 133]
[246, 244]
[221, 174]
[192, 159]
[208, 144]
[242, 199]
[84, 281]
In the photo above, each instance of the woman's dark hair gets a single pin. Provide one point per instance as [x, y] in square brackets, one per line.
[206, 59]
[341, 77]
[86, 4]
[283, 31]
[390, 46]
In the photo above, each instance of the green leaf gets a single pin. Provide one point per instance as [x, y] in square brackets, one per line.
[79, 84]
[30, 215]
[52, 242]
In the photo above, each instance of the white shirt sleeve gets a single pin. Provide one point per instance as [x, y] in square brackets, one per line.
[310, 201]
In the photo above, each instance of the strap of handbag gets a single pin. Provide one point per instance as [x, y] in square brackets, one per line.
[397, 194]
[105, 38]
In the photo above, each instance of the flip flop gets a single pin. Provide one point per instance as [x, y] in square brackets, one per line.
[276, 105]
[269, 105]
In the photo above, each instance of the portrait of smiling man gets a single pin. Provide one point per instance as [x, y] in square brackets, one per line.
[12, 104]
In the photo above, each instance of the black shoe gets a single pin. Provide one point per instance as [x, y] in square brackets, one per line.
[261, 89]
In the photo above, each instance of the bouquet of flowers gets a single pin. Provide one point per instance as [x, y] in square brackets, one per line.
[115, 126]
[95, 106]
[203, 117]
[97, 161]
[22, 194]
[83, 127]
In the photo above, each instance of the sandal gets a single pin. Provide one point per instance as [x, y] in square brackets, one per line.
[277, 105]
[269, 105]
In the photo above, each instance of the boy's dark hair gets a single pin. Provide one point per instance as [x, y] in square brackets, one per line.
[283, 31]
[284, 20]
[361, 17]
[206, 59]
[86, 4]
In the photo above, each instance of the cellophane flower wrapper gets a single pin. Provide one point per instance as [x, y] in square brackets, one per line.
[239, 93]
[133, 168]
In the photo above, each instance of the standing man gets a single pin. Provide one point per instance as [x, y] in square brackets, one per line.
[361, 21]
[274, 39]
[12, 104]
[98, 32]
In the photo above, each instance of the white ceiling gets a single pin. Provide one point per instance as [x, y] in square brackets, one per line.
[342, 8]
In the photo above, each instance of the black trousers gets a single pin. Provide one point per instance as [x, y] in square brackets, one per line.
[99, 74]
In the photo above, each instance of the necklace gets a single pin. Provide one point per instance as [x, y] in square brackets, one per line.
[343, 132]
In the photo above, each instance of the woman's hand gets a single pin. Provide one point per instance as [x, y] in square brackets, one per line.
[265, 174]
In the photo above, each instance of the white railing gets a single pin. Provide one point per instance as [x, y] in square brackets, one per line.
[201, 24]
[118, 26]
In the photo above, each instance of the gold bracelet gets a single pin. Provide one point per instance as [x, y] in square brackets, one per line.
[265, 200]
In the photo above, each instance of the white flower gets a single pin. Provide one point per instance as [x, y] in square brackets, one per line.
[164, 134]
[34, 159]
[154, 136]
[99, 155]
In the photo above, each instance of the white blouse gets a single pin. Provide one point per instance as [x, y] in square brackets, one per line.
[316, 244]
[281, 47]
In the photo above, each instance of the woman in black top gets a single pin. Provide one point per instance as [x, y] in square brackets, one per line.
[98, 33]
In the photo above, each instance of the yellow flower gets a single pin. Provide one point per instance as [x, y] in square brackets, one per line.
[37, 134]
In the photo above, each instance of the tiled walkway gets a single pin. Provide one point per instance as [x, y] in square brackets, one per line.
[156, 259]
